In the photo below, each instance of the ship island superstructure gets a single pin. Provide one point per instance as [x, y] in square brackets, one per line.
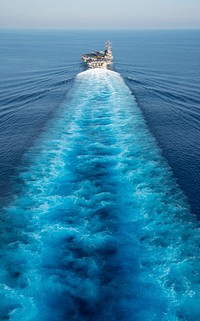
[99, 59]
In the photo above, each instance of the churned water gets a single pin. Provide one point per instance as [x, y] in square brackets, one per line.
[93, 223]
[101, 230]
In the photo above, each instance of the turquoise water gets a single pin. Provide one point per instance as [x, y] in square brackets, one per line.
[99, 229]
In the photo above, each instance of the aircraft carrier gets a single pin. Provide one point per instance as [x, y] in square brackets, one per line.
[99, 59]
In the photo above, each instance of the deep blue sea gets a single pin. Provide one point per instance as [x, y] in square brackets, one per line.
[100, 177]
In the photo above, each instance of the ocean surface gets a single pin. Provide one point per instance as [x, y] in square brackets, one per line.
[99, 177]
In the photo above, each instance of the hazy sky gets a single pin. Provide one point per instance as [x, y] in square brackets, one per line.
[99, 14]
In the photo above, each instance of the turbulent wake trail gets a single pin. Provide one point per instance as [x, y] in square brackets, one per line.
[99, 230]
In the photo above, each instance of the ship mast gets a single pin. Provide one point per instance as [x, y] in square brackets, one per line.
[108, 51]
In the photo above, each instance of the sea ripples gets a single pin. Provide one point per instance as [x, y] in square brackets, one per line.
[99, 229]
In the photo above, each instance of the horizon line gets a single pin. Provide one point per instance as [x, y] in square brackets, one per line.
[98, 29]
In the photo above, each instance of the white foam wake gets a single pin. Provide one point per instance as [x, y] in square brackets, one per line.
[90, 230]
